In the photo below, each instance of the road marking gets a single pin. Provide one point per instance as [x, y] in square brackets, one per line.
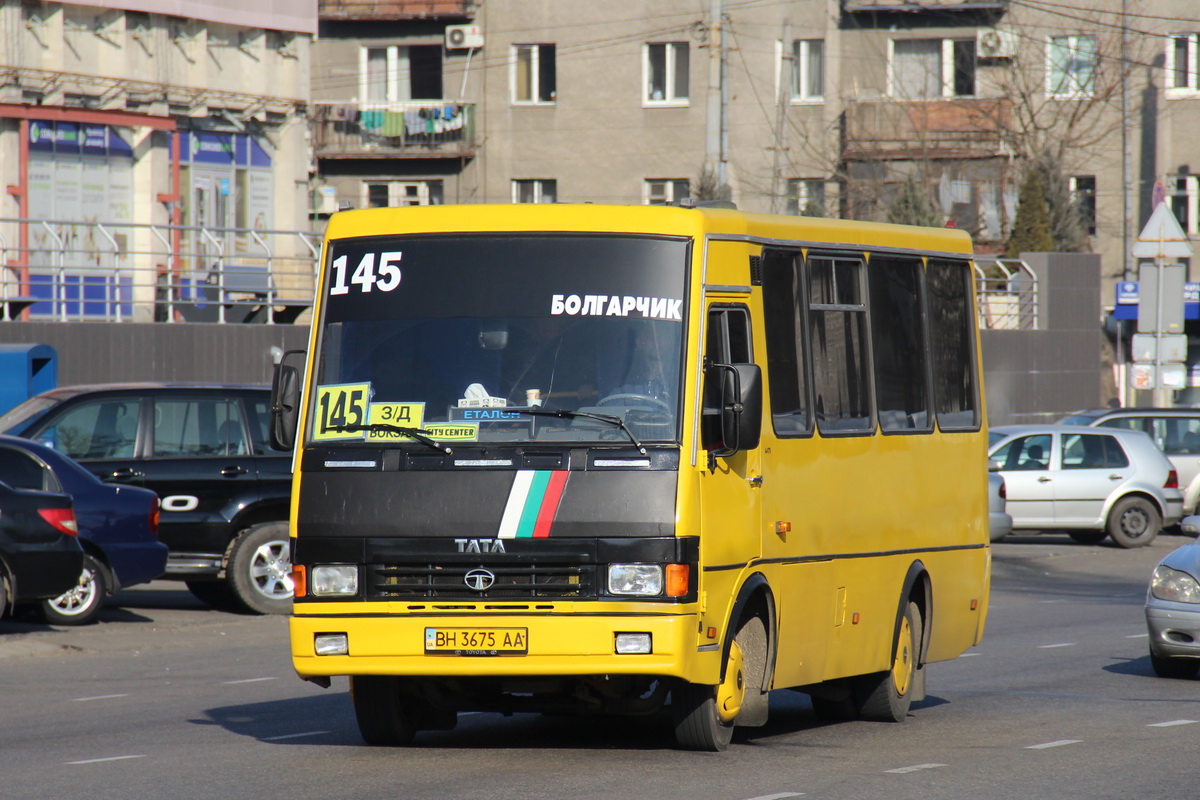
[101, 760]
[1060, 644]
[1060, 600]
[1048, 745]
[1172, 723]
[291, 736]
[248, 680]
[1139, 636]
[98, 697]
[968, 655]
[913, 768]
[779, 796]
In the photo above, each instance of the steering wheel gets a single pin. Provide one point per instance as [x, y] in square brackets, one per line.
[636, 401]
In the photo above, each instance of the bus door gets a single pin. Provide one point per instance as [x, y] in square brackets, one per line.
[730, 488]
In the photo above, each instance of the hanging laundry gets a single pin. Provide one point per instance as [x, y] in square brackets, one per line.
[393, 123]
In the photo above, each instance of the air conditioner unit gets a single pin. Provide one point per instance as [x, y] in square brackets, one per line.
[992, 43]
[326, 200]
[463, 37]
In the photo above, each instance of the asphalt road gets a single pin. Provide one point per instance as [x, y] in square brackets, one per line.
[166, 698]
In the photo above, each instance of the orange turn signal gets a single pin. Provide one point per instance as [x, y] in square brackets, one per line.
[299, 580]
[677, 580]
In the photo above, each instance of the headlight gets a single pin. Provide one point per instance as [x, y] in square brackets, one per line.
[642, 580]
[1174, 585]
[333, 580]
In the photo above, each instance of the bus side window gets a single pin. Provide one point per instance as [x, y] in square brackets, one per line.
[727, 342]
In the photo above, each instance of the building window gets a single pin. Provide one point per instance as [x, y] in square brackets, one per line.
[666, 70]
[534, 79]
[1183, 64]
[808, 69]
[535, 190]
[1185, 202]
[1072, 66]
[390, 194]
[390, 74]
[806, 196]
[666, 191]
[1083, 194]
[924, 69]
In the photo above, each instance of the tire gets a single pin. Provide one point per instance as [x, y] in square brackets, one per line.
[705, 715]
[260, 569]
[1165, 667]
[1134, 522]
[886, 696]
[81, 604]
[382, 719]
[217, 594]
[1088, 537]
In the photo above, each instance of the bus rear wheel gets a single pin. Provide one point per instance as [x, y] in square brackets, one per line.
[886, 696]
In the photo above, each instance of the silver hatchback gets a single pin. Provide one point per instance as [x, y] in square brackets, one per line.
[1091, 483]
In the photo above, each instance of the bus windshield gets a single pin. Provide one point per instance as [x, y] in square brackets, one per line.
[454, 336]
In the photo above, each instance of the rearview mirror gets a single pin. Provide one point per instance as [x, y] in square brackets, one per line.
[740, 408]
[285, 403]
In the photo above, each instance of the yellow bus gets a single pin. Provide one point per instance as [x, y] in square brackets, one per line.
[634, 460]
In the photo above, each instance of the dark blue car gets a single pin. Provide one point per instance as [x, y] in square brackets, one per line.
[118, 528]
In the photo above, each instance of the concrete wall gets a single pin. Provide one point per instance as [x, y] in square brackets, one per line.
[1040, 375]
[108, 352]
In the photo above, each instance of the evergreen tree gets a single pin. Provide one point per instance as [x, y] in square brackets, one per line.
[1031, 228]
[913, 206]
[1067, 233]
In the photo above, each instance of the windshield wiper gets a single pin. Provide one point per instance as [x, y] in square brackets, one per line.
[563, 413]
[419, 435]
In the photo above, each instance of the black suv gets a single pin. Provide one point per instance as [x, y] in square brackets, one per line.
[203, 447]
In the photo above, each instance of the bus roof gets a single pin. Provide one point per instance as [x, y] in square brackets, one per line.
[665, 220]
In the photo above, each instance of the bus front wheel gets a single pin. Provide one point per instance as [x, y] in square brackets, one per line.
[705, 715]
[378, 706]
[886, 696]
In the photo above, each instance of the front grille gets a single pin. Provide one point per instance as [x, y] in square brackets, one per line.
[446, 581]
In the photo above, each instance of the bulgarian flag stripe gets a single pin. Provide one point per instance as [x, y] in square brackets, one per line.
[532, 503]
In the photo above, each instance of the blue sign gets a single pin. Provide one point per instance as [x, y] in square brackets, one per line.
[1127, 300]
[72, 138]
[224, 149]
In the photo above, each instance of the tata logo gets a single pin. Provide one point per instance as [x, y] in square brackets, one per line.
[479, 579]
[480, 545]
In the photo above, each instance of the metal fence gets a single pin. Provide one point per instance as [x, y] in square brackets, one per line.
[1007, 294]
[71, 270]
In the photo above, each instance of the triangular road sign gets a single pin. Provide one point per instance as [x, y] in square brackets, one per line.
[1162, 237]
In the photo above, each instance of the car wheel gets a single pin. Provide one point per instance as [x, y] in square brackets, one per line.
[81, 604]
[260, 569]
[1088, 537]
[217, 594]
[886, 696]
[1165, 667]
[705, 716]
[1134, 522]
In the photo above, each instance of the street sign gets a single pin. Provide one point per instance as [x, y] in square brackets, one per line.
[1162, 237]
[1161, 290]
[1163, 348]
[1161, 376]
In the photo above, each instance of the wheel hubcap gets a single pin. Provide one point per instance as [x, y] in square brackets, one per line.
[78, 599]
[732, 690]
[271, 570]
[1135, 523]
[902, 668]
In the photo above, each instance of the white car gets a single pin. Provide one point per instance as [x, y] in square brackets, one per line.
[1089, 482]
[999, 522]
[1173, 609]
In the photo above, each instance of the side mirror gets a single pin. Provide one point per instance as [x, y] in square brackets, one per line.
[285, 404]
[740, 408]
[994, 465]
[1190, 526]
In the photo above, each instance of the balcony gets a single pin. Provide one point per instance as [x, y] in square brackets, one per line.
[952, 129]
[395, 9]
[405, 129]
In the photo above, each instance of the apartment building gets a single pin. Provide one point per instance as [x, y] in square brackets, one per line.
[824, 106]
[145, 140]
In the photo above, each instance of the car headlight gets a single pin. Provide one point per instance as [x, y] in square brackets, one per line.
[333, 580]
[1174, 585]
[641, 580]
